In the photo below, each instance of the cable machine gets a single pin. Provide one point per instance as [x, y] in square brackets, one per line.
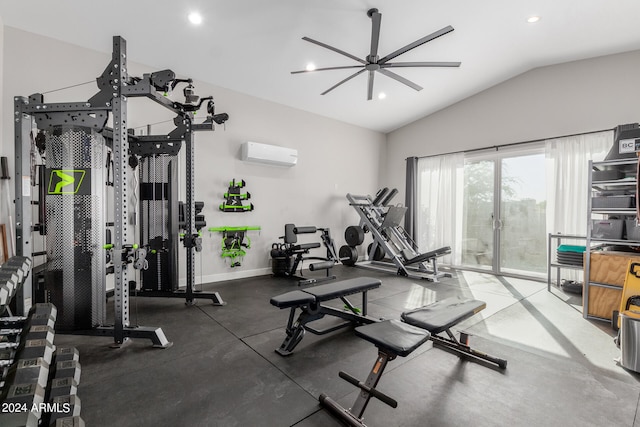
[77, 141]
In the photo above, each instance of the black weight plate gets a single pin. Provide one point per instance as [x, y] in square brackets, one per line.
[354, 235]
[348, 255]
[378, 255]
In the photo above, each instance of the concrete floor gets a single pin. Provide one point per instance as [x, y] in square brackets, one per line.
[222, 369]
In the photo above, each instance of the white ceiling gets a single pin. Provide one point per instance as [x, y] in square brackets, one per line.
[251, 46]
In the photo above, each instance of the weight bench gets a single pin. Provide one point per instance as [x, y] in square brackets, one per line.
[394, 338]
[309, 302]
[441, 316]
[429, 256]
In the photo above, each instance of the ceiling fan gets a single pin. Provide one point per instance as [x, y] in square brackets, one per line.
[373, 63]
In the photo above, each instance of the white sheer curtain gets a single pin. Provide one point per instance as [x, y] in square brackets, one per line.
[567, 174]
[439, 204]
[440, 182]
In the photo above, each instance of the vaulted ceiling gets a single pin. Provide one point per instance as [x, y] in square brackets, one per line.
[251, 46]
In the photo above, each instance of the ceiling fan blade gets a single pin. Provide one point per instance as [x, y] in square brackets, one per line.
[343, 81]
[400, 79]
[327, 68]
[341, 52]
[370, 85]
[417, 43]
[376, 18]
[419, 64]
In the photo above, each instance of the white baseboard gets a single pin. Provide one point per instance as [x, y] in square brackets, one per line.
[220, 277]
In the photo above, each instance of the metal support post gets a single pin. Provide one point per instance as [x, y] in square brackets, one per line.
[23, 124]
[190, 212]
[120, 146]
[191, 237]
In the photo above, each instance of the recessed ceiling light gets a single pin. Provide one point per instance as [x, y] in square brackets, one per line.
[310, 66]
[382, 95]
[195, 18]
[533, 19]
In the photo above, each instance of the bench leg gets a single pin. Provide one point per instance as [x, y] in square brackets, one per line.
[461, 347]
[296, 330]
[354, 416]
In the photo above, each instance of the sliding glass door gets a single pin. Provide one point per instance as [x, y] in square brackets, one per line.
[478, 208]
[503, 219]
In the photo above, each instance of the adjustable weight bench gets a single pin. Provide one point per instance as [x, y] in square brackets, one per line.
[441, 316]
[394, 338]
[309, 302]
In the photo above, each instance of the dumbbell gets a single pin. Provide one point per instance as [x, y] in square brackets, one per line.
[27, 353]
[69, 422]
[64, 407]
[29, 359]
[9, 281]
[28, 371]
[22, 263]
[15, 269]
[16, 331]
[21, 405]
[40, 314]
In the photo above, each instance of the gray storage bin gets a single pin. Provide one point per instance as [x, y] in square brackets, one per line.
[607, 228]
[613, 202]
[632, 230]
[608, 175]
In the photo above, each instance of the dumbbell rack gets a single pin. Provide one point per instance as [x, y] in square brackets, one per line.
[377, 217]
[39, 382]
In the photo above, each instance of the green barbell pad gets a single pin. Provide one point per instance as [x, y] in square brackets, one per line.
[234, 228]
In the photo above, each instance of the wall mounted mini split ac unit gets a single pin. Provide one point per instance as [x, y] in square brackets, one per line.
[268, 154]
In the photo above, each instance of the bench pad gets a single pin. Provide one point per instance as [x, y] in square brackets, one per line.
[292, 299]
[343, 288]
[442, 315]
[325, 292]
[305, 246]
[393, 335]
[429, 255]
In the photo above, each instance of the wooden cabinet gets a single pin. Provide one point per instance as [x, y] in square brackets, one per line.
[606, 278]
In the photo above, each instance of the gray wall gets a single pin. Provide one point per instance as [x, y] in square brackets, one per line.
[311, 193]
[547, 102]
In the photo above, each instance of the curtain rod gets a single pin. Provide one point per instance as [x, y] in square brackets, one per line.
[496, 147]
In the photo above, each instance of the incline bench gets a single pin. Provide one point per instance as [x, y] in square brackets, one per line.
[310, 300]
[394, 338]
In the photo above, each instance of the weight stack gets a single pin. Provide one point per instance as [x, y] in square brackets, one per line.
[159, 222]
[75, 269]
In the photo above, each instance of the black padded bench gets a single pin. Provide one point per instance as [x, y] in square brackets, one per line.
[309, 302]
[428, 256]
[441, 316]
[394, 338]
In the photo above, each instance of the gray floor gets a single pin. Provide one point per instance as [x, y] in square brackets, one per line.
[222, 369]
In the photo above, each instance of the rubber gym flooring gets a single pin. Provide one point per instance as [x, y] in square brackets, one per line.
[222, 369]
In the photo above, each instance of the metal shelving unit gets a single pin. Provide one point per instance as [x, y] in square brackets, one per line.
[629, 182]
[552, 262]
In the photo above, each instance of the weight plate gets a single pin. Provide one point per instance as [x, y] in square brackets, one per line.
[354, 235]
[348, 255]
[378, 255]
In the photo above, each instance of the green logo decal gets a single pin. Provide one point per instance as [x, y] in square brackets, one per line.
[65, 181]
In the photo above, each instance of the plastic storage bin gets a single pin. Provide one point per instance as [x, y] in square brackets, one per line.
[613, 202]
[632, 230]
[607, 229]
